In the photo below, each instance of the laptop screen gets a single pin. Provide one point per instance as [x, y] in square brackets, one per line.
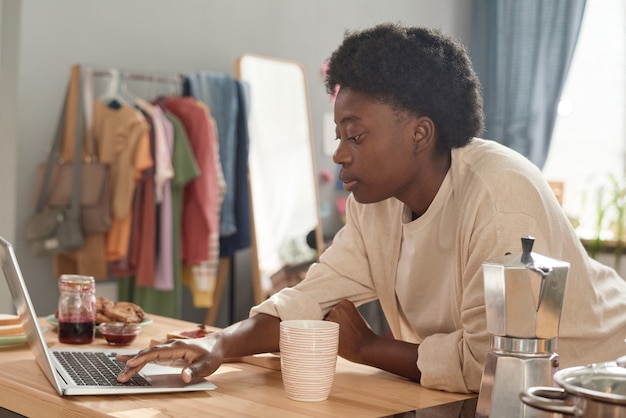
[160, 378]
[26, 311]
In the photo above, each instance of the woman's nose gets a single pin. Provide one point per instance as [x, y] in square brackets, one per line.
[340, 155]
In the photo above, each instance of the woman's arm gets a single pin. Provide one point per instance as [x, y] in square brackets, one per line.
[358, 343]
[258, 334]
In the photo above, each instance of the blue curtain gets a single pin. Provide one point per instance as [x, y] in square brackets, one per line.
[521, 51]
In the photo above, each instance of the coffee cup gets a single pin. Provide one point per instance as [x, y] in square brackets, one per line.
[308, 357]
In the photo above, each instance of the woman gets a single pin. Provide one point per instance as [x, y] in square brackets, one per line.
[429, 204]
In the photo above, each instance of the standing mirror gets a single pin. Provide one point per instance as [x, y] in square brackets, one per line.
[286, 227]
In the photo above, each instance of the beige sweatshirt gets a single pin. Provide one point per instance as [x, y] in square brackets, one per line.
[490, 198]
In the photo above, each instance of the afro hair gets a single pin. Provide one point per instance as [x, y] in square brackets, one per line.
[418, 70]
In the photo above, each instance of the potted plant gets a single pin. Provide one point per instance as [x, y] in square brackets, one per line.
[610, 199]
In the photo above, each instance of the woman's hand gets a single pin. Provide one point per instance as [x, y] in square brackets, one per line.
[358, 343]
[200, 356]
[354, 332]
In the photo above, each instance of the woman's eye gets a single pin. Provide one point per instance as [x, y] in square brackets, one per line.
[350, 138]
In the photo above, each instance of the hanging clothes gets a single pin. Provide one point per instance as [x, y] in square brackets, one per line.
[228, 100]
[144, 276]
[164, 275]
[200, 236]
[240, 239]
[118, 131]
[202, 278]
[179, 191]
[160, 302]
[197, 211]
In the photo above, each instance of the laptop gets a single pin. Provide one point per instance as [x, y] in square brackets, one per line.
[65, 367]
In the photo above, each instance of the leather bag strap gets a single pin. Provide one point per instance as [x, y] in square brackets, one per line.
[56, 149]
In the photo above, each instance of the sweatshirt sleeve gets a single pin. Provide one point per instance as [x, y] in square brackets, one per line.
[342, 272]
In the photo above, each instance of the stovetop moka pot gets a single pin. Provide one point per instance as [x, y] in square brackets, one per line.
[523, 301]
[524, 294]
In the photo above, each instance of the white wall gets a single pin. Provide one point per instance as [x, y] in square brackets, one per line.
[9, 45]
[160, 36]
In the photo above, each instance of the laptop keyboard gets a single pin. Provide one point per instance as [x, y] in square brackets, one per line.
[95, 369]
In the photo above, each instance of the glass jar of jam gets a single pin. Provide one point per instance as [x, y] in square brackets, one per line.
[77, 309]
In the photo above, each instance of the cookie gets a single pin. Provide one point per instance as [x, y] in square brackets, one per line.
[103, 303]
[109, 311]
[127, 312]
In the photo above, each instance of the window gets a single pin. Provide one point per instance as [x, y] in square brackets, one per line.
[588, 146]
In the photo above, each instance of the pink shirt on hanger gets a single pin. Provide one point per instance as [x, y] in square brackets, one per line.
[164, 275]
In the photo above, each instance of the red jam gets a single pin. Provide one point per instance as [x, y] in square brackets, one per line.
[120, 339]
[119, 335]
[76, 332]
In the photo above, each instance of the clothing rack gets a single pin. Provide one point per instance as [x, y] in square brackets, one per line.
[137, 76]
[118, 78]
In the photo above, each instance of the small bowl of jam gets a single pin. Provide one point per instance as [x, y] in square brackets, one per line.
[119, 333]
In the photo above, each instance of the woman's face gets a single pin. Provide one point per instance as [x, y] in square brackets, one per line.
[377, 149]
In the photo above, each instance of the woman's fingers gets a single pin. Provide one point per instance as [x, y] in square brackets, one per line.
[186, 351]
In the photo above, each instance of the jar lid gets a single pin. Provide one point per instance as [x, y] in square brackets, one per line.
[75, 282]
[76, 279]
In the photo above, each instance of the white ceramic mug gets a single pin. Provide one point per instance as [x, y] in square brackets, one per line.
[308, 356]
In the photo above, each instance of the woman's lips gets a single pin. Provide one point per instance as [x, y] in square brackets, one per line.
[348, 186]
[348, 183]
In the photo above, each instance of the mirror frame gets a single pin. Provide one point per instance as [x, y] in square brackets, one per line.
[260, 294]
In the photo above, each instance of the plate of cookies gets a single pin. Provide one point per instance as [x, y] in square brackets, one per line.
[110, 311]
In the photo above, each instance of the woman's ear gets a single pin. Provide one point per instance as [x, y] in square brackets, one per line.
[423, 133]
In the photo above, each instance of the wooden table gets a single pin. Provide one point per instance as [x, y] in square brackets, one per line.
[244, 390]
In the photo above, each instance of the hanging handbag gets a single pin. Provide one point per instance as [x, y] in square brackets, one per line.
[53, 229]
[95, 194]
